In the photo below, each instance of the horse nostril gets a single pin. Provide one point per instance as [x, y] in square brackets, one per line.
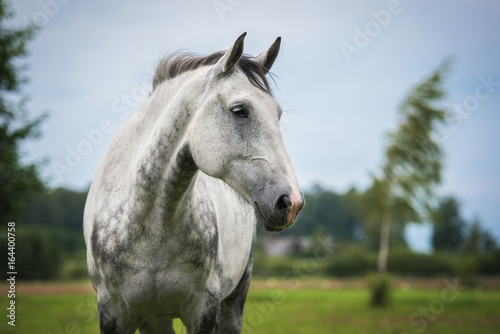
[283, 203]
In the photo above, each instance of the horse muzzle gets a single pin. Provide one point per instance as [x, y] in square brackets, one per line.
[275, 213]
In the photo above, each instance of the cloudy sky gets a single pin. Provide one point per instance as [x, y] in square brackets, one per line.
[343, 69]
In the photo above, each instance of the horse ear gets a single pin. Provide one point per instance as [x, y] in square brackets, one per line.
[231, 57]
[268, 57]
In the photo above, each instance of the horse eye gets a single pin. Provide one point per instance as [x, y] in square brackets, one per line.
[239, 111]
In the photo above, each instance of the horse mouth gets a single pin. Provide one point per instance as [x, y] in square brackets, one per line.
[264, 222]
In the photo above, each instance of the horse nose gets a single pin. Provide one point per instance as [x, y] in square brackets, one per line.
[287, 209]
[283, 204]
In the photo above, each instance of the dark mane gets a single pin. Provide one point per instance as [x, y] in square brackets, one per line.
[181, 62]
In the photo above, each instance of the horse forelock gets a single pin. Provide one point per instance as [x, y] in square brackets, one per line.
[180, 62]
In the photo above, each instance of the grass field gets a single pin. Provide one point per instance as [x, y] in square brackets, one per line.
[286, 307]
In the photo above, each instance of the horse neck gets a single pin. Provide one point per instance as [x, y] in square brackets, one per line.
[165, 169]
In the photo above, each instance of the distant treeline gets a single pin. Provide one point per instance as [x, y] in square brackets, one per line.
[50, 230]
[352, 218]
[352, 260]
[351, 222]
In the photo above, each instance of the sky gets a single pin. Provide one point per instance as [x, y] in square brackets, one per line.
[344, 68]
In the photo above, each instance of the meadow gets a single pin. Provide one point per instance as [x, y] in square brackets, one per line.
[275, 306]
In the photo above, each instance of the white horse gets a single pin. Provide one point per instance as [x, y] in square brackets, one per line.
[170, 218]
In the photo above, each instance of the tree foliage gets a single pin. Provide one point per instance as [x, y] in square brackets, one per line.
[452, 233]
[38, 255]
[59, 208]
[371, 206]
[60, 213]
[449, 226]
[478, 240]
[413, 157]
[17, 180]
[336, 215]
[412, 167]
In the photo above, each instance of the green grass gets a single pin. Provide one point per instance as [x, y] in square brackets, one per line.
[272, 310]
[346, 311]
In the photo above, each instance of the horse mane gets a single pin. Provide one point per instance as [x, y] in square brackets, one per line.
[177, 63]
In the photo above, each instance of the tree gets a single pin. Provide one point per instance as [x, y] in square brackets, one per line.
[478, 240]
[489, 243]
[337, 215]
[371, 206]
[449, 227]
[58, 208]
[412, 167]
[37, 255]
[18, 181]
[453, 233]
[58, 212]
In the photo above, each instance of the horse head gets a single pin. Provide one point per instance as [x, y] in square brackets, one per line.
[235, 136]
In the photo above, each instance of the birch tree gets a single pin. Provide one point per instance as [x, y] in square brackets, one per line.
[413, 164]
